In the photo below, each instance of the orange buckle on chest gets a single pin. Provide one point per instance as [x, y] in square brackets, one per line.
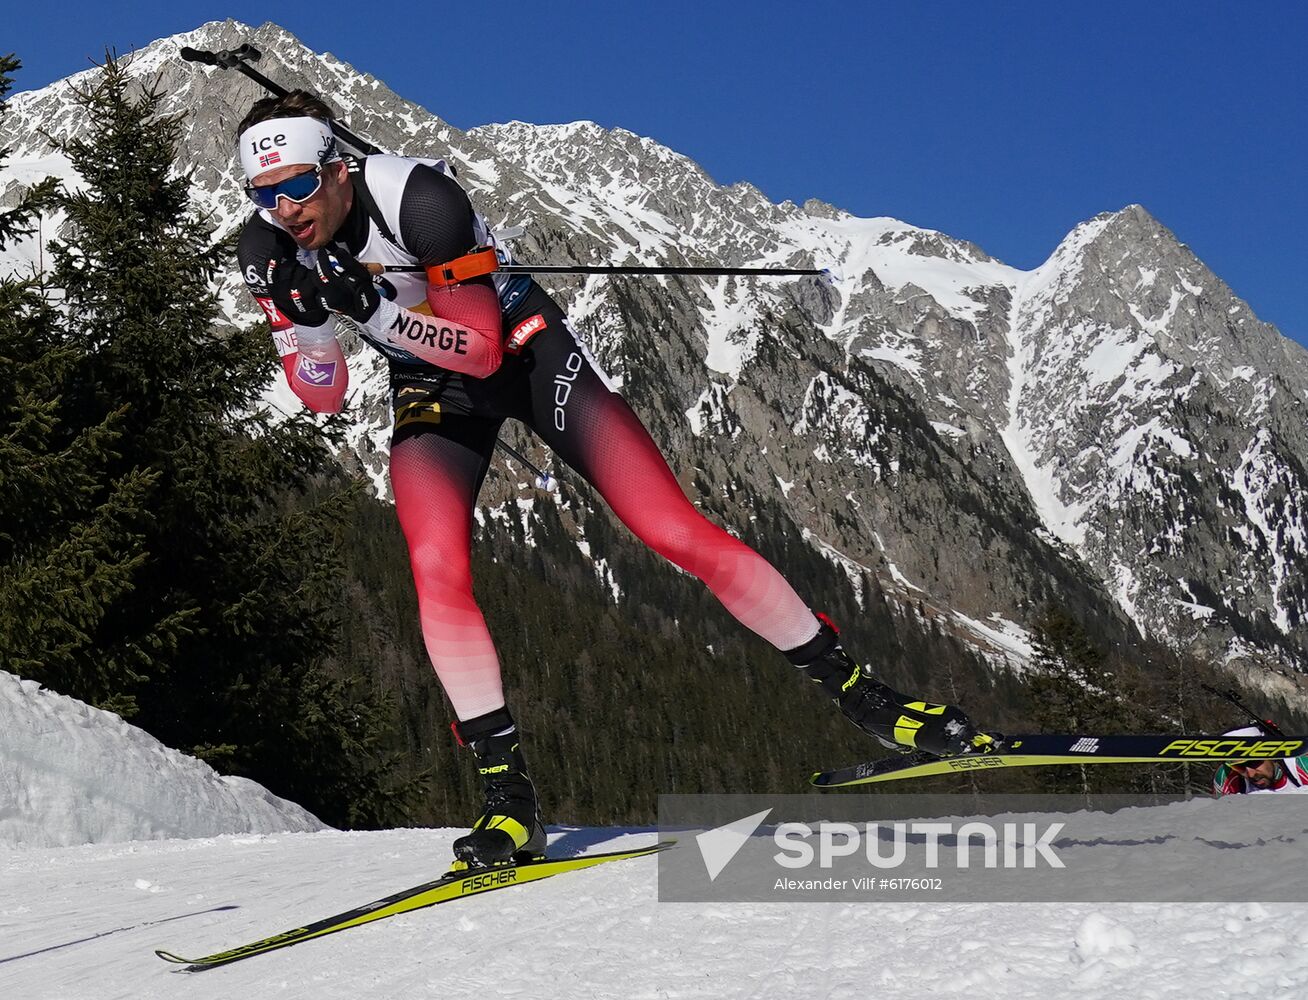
[472, 265]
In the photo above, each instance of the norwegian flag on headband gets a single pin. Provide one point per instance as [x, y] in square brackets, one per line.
[268, 159]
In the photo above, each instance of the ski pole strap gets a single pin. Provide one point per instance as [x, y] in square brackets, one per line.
[472, 265]
[452, 272]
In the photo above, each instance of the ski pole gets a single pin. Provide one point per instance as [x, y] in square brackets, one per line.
[239, 59]
[1266, 725]
[544, 481]
[236, 59]
[822, 272]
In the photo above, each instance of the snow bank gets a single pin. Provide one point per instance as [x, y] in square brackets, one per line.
[72, 774]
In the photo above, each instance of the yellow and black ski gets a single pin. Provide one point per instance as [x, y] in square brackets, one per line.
[451, 886]
[1046, 749]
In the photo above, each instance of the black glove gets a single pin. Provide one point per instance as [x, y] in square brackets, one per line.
[295, 290]
[346, 286]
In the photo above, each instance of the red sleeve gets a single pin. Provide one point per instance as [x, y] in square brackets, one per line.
[311, 357]
[475, 306]
[437, 224]
[463, 334]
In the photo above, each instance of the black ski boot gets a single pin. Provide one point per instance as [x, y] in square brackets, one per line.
[510, 827]
[897, 721]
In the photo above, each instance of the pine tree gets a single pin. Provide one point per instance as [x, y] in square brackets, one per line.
[16, 222]
[170, 561]
[1069, 679]
[1075, 687]
[70, 534]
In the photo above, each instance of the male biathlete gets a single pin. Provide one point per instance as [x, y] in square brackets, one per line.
[1251, 777]
[467, 350]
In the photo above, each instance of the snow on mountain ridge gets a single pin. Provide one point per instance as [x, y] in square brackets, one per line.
[1123, 342]
[1080, 379]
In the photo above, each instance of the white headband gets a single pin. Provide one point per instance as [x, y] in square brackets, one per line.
[278, 142]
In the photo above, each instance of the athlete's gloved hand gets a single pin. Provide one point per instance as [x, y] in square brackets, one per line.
[294, 289]
[346, 286]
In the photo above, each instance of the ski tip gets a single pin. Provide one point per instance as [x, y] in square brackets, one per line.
[188, 964]
[631, 852]
[635, 852]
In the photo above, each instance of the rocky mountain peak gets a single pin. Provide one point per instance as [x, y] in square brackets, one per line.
[1114, 429]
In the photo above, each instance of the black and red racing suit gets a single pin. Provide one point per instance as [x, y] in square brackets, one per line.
[462, 361]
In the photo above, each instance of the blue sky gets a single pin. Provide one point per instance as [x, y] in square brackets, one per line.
[1005, 124]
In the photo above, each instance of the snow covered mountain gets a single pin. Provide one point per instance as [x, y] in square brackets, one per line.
[1112, 431]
